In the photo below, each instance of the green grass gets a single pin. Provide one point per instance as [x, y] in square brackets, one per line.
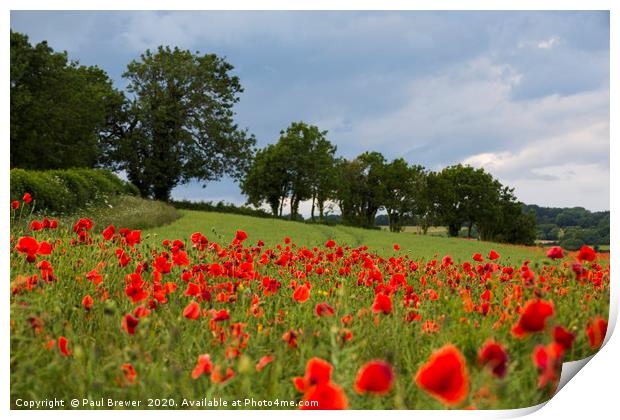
[166, 345]
[123, 210]
[222, 227]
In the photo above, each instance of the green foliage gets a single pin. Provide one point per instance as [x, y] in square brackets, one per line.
[361, 189]
[220, 207]
[58, 107]
[301, 164]
[267, 179]
[404, 186]
[180, 125]
[68, 190]
[572, 227]
[165, 346]
[465, 195]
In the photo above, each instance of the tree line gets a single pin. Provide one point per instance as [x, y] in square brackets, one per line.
[175, 122]
[572, 227]
[302, 165]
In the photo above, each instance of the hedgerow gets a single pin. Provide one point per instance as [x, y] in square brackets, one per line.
[68, 190]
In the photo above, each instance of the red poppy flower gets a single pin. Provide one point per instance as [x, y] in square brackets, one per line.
[264, 361]
[129, 324]
[324, 309]
[301, 293]
[493, 255]
[533, 318]
[316, 386]
[29, 246]
[192, 311]
[382, 303]
[318, 372]
[330, 244]
[203, 367]
[130, 372]
[44, 248]
[327, 396]
[221, 315]
[108, 233]
[445, 376]
[548, 360]
[563, 337]
[494, 356]
[596, 331]
[27, 198]
[555, 253]
[180, 258]
[87, 302]
[15, 205]
[218, 378]
[36, 226]
[62, 345]
[291, 338]
[240, 236]
[396, 247]
[375, 377]
[586, 254]
[477, 257]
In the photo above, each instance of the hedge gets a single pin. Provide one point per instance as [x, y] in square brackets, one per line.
[68, 190]
[221, 207]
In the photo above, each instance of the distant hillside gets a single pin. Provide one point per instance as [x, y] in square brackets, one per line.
[571, 227]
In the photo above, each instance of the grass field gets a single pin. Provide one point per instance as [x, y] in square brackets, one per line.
[139, 313]
[272, 231]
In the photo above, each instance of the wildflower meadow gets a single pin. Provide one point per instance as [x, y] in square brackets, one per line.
[178, 317]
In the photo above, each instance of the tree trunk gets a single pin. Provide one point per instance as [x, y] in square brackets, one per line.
[312, 211]
[161, 193]
[321, 205]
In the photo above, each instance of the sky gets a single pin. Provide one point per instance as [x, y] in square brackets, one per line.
[525, 95]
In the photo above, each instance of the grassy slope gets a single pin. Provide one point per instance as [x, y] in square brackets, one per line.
[165, 347]
[221, 227]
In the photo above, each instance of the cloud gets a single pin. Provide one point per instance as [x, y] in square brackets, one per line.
[548, 43]
[520, 93]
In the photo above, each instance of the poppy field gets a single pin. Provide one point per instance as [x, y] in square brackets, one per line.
[282, 315]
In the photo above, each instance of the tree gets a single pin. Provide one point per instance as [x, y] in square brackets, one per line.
[301, 164]
[179, 125]
[59, 108]
[267, 179]
[510, 223]
[361, 188]
[310, 157]
[403, 186]
[465, 195]
[323, 179]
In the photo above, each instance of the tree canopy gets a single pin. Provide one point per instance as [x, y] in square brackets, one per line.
[59, 108]
[299, 167]
[179, 124]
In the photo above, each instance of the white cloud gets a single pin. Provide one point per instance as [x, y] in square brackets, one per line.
[548, 43]
[467, 114]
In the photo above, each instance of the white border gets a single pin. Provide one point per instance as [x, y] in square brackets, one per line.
[593, 394]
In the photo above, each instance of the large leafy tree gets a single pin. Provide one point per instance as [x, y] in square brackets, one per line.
[59, 108]
[267, 180]
[310, 157]
[361, 189]
[179, 125]
[510, 223]
[404, 188]
[299, 167]
[465, 195]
